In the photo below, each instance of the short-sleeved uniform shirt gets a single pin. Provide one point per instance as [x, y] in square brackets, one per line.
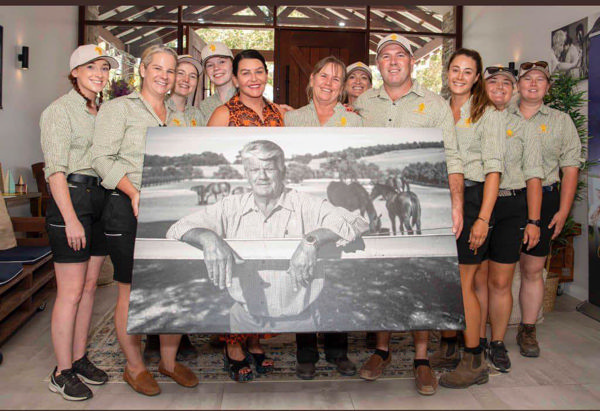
[67, 130]
[295, 215]
[190, 117]
[120, 139]
[561, 146]
[481, 143]
[522, 156]
[418, 108]
[210, 104]
[306, 116]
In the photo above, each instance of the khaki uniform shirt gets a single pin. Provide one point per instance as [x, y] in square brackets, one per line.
[120, 139]
[190, 117]
[418, 108]
[67, 129]
[481, 144]
[295, 215]
[523, 154]
[210, 104]
[561, 146]
[307, 117]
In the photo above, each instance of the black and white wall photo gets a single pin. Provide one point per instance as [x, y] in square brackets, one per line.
[294, 229]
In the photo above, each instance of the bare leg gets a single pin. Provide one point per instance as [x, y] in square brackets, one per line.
[168, 350]
[86, 305]
[383, 340]
[500, 289]
[69, 281]
[472, 308]
[481, 290]
[531, 295]
[130, 344]
[421, 338]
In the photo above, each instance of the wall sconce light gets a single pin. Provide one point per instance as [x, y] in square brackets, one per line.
[24, 58]
[511, 66]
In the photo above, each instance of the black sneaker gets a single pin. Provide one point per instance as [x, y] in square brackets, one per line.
[69, 386]
[498, 356]
[88, 372]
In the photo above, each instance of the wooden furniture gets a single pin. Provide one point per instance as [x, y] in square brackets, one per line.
[38, 173]
[28, 292]
[35, 200]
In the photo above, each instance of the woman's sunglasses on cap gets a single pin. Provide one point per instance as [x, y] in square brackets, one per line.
[529, 65]
[497, 69]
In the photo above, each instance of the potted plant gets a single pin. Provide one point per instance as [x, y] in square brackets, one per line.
[565, 96]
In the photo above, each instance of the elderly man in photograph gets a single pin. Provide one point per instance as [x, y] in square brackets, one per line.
[273, 297]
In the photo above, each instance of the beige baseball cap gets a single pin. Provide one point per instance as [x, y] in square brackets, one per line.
[186, 58]
[499, 70]
[90, 52]
[359, 65]
[394, 38]
[215, 49]
[528, 66]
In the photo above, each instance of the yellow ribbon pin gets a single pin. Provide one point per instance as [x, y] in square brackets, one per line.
[393, 37]
[509, 132]
[99, 51]
[468, 122]
[177, 122]
[343, 121]
[212, 47]
[194, 124]
[543, 128]
[421, 108]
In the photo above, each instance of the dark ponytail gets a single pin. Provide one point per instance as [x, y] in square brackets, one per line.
[88, 102]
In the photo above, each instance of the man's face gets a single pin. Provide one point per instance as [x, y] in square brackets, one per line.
[264, 176]
[395, 65]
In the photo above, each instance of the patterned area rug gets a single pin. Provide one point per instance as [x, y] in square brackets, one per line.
[104, 351]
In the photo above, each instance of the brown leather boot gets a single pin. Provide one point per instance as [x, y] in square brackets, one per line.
[526, 338]
[446, 355]
[472, 369]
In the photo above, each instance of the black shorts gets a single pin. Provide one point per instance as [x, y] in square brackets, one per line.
[550, 206]
[472, 204]
[119, 228]
[507, 237]
[88, 203]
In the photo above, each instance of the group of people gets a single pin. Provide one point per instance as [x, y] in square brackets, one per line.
[512, 168]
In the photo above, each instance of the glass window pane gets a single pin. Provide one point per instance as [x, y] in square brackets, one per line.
[434, 19]
[131, 13]
[321, 16]
[431, 54]
[234, 15]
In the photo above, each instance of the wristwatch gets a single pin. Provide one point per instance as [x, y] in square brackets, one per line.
[310, 240]
[535, 222]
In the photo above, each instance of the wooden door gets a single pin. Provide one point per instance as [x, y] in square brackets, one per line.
[297, 51]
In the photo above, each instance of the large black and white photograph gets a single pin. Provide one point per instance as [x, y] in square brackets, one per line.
[570, 47]
[294, 230]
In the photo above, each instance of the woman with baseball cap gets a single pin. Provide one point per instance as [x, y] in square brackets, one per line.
[187, 76]
[217, 60]
[480, 135]
[247, 108]
[359, 79]
[118, 156]
[561, 153]
[517, 211]
[73, 218]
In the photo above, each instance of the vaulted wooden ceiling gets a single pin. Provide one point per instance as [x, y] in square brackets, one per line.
[121, 21]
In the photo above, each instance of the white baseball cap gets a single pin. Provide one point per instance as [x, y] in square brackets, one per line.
[499, 70]
[90, 52]
[186, 58]
[215, 49]
[359, 65]
[394, 38]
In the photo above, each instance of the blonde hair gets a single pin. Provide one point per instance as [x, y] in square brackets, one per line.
[147, 55]
[319, 66]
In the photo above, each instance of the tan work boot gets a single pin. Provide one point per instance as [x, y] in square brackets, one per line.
[472, 369]
[527, 341]
[446, 355]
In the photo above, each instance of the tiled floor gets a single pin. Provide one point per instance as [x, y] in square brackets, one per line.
[567, 376]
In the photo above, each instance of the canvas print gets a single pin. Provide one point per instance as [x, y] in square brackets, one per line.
[570, 48]
[257, 229]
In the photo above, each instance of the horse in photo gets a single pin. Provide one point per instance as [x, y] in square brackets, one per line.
[404, 205]
[352, 197]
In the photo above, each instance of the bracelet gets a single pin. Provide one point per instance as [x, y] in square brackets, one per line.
[484, 220]
[537, 223]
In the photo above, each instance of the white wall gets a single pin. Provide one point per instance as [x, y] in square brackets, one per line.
[522, 33]
[50, 32]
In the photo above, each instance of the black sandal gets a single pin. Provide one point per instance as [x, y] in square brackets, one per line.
[233, 367]
[259, 360]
